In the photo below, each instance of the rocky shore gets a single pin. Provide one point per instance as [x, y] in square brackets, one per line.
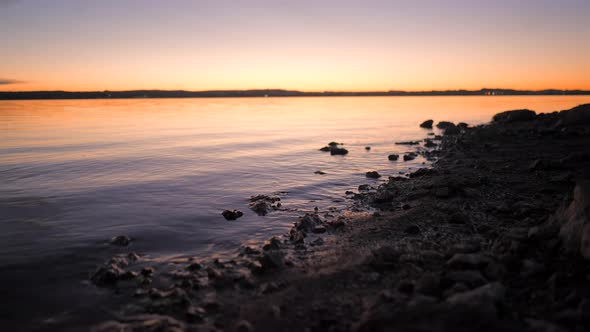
[493, 237]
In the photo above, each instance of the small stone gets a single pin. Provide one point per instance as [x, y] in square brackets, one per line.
[319, 172]
[232, 214]
[368, 148]
[393, 157]
[373, 175]
[121, 240]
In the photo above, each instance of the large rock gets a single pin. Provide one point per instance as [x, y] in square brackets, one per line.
[577, 115]
[515, 116]
[427, 124]
[574, 221]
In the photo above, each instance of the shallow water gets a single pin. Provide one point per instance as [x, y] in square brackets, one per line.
[74, 173]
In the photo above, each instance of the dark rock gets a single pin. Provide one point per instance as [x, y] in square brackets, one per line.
[423, 172]
[194, 267]
[319, 229]
[452, 130]
[262, 204]
[272, 259]
[574, 221]
[428, 143]
[368, 148]
[393, 157]
[515, 116]
[427, 124]
[578, 115]
[408, 143]
[545, 165]
[373, 175]
[325, 149]
[296, 236]
[147, 271]
[244, 326]
[121, 240]
[429, 284]
[410, 156]
[338, 151]
[364, 187]
[444, 125]
[272, 244]
[406, 206]
[458, 218]
[232, 214]
[106, 275]
[319, 172]
[308, 222]
[412, 229]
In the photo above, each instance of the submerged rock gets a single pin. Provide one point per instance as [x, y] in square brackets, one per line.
[262, 204]
[408, 143]
[232, 214]
[427, 124]
[121, 240]
[410, 156]
[393, 157]
[333, 148]
[319, 172]
[368, 148]
[373, 175]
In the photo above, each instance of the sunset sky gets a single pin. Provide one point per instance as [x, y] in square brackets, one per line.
[304, 44]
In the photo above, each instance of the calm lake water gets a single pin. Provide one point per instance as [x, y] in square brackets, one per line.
[74, 173]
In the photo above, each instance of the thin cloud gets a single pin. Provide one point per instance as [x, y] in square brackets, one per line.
[6, 81]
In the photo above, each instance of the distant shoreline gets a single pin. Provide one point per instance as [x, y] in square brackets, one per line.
[45, 95]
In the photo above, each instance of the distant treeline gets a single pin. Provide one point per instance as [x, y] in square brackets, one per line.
[267, 93]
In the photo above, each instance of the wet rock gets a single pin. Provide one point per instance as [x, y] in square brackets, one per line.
[393, 157]
[296, 236]
[514, 116]
[410, 156]
[452, 130]
[318, 229]
[427, 124]
[121, 240]
[272, 244]
[319, 172]
[408, 143]
[428, 143]
[338, 151]
[373, 175]
[318, 242]
[106, 275]
[423, 172]
[364, 187]
[406, 206]
[444, 125]
[272, 259]
[232, 214]
[368, 148]
[308, 222]
[262, 204]
[194, 267]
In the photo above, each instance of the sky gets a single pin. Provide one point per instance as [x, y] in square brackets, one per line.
[369, 45]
